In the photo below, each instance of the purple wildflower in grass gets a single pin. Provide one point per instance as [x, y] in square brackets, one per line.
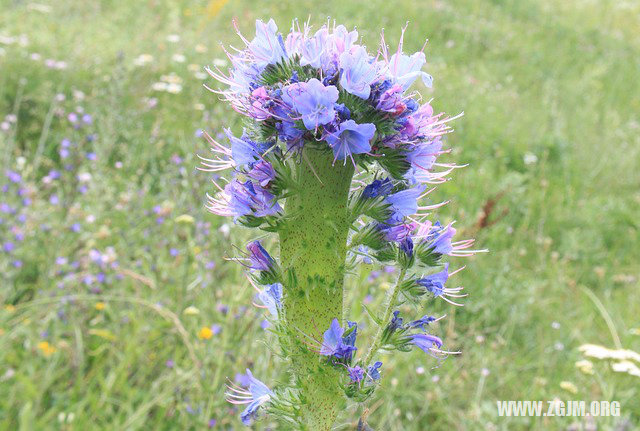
[242, 379]
[356, 374]
[75, 227]
[17, 263]
[313, 101]
[216, 329]
[8, 247]
[174, 252]
[91, 156]
[170, 363]
[358, 71]
[14, 177]
[211, 423]
[54, 200]
[257, 395]
[259, 259]
[334, 344]
[350, 138]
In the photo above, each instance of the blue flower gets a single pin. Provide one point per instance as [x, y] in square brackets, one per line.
[244, 151]
[259, 259]
[312, 100]
[405, 202]
[378, 188]
[271, 297]
[358, 72]
[247, 198]
[267, 47]
[426, 342]
[262, 172]
[442, 241]
[396, 322]
[351, 138]
[356, 373]
[406, 69]
[420, 323]
[334, 344]
[373, 372]
[257, 395]
[434, 283]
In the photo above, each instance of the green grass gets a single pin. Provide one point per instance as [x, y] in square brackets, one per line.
[550, 95]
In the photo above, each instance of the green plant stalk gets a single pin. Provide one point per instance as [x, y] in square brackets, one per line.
[392, 299]
[313, 246]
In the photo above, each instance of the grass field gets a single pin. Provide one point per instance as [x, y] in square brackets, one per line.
[115, 267]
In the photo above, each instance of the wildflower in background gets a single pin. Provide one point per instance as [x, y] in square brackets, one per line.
[356, 374]
[46, 349]
[205, 333]
[257, 395]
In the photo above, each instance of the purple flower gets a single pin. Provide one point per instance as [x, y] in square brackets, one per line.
[8, 247]
[378, 188]
[170, 363]
[267, 47]
[406, 69]
[396, 322]
[434, 283]
[358, 72]
[420, 323]
[426, 342]
[14, 177]
[271, 297]
[351, 138]
[54, 200]
[373, 372]
[442, 241]
[173, 252]
[262, 172]
[212, 422]
[91, 156]
[75, 227]
[247, 198]
[259, 259]
[244, 151]
[356, 373]
[405, 202]
[312, 100]
[334, 344]
[64, 153]
[257, 395]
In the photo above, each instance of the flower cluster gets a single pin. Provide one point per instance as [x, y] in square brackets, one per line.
[323, 92]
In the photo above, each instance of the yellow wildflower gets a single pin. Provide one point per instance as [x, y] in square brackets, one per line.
[100, 306]
[205, 333]
[10, 308]
[46, 348]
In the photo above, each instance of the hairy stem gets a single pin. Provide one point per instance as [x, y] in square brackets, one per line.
[392, 298]
[313, 246]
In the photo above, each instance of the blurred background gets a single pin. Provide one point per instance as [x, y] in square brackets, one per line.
[118, 309]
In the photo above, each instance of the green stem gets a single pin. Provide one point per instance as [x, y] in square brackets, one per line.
[392, 298]
[313, 246]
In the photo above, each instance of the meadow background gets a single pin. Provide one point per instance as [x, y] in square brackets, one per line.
[118, 309]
